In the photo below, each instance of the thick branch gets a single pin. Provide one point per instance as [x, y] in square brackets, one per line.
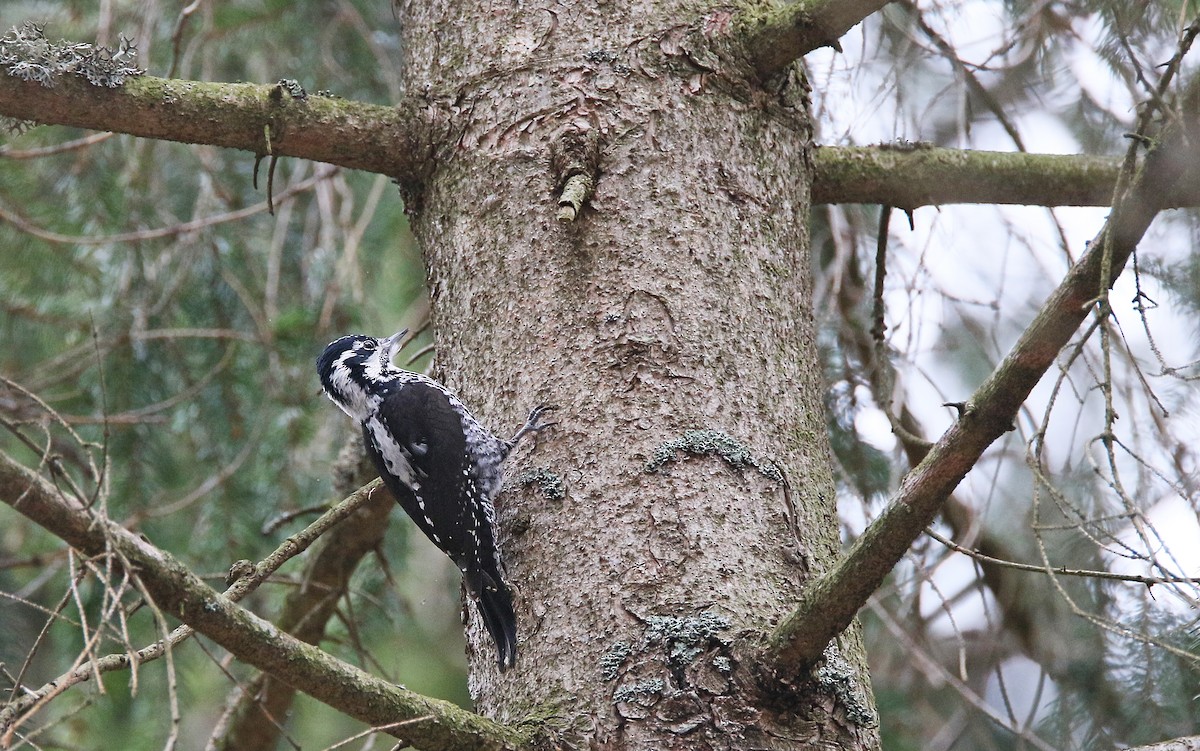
[178, 592]
[1190, 743]
[917, 175]
[831, 602]
[387, 140]
[773, 35]
[234, 115]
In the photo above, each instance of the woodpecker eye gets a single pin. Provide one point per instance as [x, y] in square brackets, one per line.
[369, 344]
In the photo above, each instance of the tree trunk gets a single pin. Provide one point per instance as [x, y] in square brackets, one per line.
[677, 305]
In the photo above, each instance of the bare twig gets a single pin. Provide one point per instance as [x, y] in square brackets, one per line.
[161, 232]
[245, 584]
[973, 83]
[305, 615]
[8, 152]
[178, 591]
[1062, 570]
[937, 674]
[177, 36]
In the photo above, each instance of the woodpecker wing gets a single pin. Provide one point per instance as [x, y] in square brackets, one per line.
[416, 440]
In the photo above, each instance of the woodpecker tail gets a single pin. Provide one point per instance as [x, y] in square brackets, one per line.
[495, 604]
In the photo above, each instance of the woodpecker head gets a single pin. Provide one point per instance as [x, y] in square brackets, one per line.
[353, 368]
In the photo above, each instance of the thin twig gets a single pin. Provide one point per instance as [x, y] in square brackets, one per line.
[288, 549]
[174, 230]
[377, 729]
[8, 152]
[936, 673]
[1062, 570]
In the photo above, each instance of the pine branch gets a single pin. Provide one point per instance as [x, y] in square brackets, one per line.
[178, 592]
[281, 120]
[908, 176]
[265, 120]
[830, 602]
[773, 35]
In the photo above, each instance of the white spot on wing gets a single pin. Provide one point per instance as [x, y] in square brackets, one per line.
[393, 456]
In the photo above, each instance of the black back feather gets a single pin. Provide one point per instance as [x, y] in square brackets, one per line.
[439, 489]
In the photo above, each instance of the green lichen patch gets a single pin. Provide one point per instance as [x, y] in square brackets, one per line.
[611, 661]
[710, 443]
[836, 677]
[684, 637]
[550, 484]
[639, 690]
[27, 54]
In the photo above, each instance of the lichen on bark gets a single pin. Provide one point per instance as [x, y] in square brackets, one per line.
[27, 54]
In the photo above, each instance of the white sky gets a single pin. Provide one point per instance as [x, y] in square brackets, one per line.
[1009, 258]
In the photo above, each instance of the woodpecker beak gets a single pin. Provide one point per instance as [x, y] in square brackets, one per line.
[391, 345]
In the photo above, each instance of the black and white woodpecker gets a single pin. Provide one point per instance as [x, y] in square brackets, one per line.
[440, 463]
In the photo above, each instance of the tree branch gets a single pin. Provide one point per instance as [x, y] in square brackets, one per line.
[179, 592]
[773, 35]
[1190, 743]
[249, 577]
[386, 140]
[915, 175]
[830, 603]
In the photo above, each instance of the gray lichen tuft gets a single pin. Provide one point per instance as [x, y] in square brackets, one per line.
[25, 53]
[291, 86]
[15, 126]
[550, 484]
[686, 637]
[639, 690]
[835, 676]
[710, 443]
[611, 661]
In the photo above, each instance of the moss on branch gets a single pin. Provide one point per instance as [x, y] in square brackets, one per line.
[382, 139]
[909, 176]
[772, 35]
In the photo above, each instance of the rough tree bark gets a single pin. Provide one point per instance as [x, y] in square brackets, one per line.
[676, 306]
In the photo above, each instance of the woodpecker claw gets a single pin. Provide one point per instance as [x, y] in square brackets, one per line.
[533, 424]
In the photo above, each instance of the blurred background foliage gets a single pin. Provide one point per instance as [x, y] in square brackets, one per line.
[152, 303]
[150, 299]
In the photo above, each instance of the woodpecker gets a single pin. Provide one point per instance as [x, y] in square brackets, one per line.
[440, 463]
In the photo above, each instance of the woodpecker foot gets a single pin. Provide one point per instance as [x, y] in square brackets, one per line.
[533, 424]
